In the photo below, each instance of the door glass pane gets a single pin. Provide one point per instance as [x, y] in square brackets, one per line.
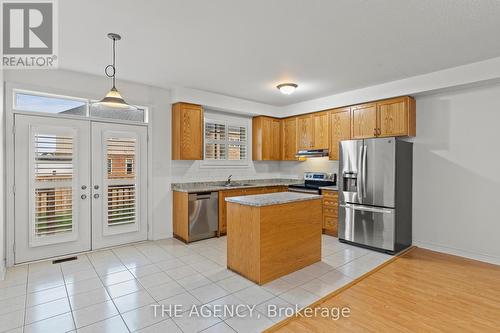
[121, 204]
[53, 211]
[49, 104]
[53, 158]
[121, 154]
[53, 196]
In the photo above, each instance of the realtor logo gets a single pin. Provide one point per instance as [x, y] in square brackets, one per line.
[29, 34]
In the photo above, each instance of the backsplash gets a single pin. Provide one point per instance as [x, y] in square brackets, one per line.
[292, 169]
[195, 171]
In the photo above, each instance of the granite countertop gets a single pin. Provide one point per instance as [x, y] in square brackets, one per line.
[278, 198]
[330, 188]
[236, 184]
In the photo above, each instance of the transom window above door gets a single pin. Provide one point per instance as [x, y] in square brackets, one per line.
[225, 141]
[49, 104]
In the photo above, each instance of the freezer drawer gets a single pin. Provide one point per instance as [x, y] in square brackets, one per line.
[367, 225]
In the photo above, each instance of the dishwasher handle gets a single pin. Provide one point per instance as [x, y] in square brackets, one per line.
[201, 196]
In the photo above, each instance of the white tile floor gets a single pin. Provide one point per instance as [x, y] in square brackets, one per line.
[113, 290]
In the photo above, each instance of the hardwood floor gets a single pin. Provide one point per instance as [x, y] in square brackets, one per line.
[422, 291]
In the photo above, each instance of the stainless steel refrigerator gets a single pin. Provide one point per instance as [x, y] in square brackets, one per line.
[375, 193]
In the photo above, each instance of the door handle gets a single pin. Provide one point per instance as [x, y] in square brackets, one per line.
[84, 187]
[96, 187]
[367, 209]
[96, 196]
[359, 182]
[363, 174]
[84, 196]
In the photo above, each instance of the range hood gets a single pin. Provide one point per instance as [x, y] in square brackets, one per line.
[312, 153]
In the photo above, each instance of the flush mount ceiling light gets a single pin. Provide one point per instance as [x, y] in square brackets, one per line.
[113, 100]
[287, 88]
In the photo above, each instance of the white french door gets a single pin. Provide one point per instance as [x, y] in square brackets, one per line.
[119, 184]
[52, 175]
[79, 185]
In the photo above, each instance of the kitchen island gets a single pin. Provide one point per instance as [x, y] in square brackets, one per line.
[272, 235]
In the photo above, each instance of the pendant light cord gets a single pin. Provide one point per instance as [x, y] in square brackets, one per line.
[114, 58]
[113, 66]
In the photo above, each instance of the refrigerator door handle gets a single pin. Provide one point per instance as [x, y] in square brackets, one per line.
[367, 209]
[363, 174]
[359, 184]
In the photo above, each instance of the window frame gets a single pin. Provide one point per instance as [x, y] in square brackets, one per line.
[226, 162]
[87, 101]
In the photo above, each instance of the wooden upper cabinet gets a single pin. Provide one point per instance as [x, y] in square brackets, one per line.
[187, 131]
[340, 129]
[266, 139]
[396, 117]
[321, 132]
[364, 121]
[305, 132]
[289, 138]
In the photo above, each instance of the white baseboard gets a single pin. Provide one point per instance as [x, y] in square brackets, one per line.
[457, 252]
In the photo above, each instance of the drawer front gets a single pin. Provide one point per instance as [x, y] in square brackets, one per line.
[330, 203]
[330, 223]
[332, 212]
[329, 194]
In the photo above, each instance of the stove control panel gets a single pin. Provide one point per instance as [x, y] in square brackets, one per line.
[322, 176]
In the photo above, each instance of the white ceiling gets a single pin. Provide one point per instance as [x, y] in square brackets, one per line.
[244, 48]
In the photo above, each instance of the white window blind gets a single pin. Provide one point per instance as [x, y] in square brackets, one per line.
[225, 141]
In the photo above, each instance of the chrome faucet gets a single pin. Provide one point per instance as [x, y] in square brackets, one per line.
[228, 181]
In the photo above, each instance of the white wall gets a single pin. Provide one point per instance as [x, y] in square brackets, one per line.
[456, 176]
[158, 100]
[2, 176]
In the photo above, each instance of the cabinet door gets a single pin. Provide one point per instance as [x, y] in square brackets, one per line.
[305, 132]
[364, 121]
[340, 129]
[321, 130]
[266, 139]
[289, 138]
[275, 142]
[187, 124]
[395, 117]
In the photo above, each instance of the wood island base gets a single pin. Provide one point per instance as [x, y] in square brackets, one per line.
[268, 242]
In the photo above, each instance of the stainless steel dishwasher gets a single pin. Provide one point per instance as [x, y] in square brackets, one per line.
[203, 211]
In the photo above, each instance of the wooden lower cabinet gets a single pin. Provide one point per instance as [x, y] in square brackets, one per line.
[330, 212]
[240, 192]
[181, 215]
[265, 243]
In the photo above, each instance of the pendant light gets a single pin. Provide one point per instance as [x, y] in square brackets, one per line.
[113, 100]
